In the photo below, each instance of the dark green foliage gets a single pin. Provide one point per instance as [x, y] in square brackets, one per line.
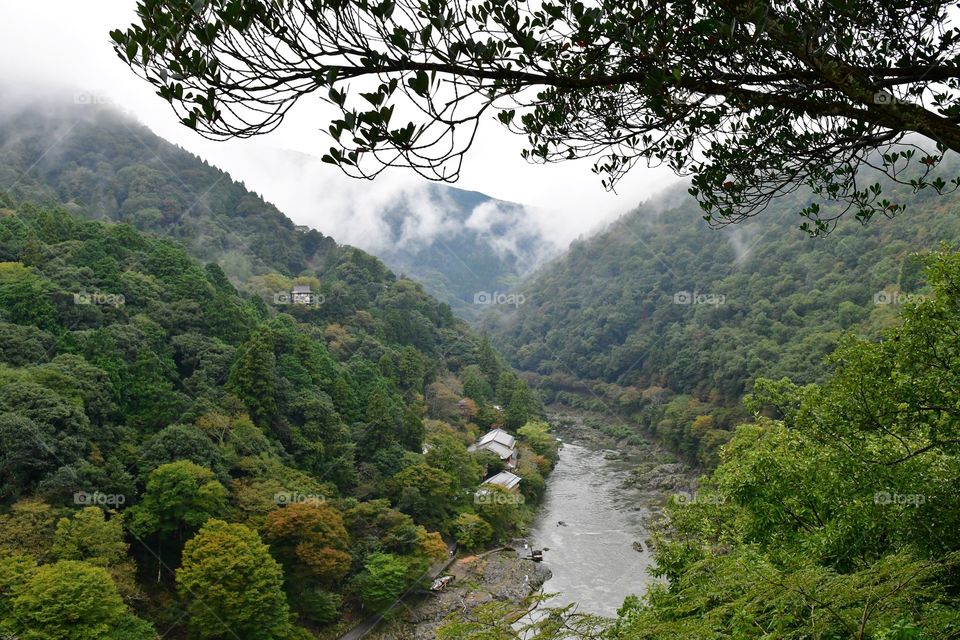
[662, 320]
[183, 400]
[179, 442]
[29, 451]
[24, 297]
[521, 407]
[113, 168]
[135, 379]
[425, 493]
[606, 310]
[447, 452]
[23, 344]
[254, 379]
[840, 519]
[475, 385]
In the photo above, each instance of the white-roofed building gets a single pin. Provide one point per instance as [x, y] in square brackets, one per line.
[500, 443]
[301, 294]
[508, 482]
[505, 479]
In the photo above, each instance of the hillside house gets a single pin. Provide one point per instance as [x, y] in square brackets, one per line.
[500, 443]
[505, 479]
[301, 294]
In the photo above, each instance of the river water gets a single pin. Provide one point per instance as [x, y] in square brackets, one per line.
[591, 555]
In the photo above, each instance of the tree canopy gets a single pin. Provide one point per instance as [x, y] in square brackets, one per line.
[143, 448]
[662, 321]
[67, 600]
[836, 519]
[231, 584]
[754, 99]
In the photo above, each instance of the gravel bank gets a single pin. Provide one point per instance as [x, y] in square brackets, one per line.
[498, 575]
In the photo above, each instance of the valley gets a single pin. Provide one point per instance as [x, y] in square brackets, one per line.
[292, 424]
[188, 379]
[298, 406]
[104, 164]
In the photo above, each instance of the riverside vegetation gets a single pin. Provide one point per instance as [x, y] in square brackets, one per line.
[831, 514]
[830, 511]
[186, 453]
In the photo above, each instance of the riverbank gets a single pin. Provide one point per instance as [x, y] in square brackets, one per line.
[608, 492]
[653, 469]
[500, 575]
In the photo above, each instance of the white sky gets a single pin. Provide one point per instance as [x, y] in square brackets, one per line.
[66, 42]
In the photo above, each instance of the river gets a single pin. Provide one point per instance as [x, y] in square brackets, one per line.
[597, 490]
[604, 511]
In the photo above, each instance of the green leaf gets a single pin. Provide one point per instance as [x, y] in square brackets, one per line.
[420, 83]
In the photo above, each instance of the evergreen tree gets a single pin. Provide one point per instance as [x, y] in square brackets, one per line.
[253, 378]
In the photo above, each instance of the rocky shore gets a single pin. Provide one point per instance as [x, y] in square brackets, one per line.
[495, 575]
[653, 469]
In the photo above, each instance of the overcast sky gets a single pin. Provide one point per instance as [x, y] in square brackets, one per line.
[45, 43]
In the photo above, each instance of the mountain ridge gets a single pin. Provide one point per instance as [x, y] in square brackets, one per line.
[666, 321]
[455, 242]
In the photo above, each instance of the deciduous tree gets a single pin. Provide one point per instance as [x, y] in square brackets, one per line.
[231, 585]
[384, 579]
[311, 541]
[71, 600]
[472, 531]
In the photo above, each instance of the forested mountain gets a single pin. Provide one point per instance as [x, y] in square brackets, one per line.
[839, 519]
[836, 518]
[482, 249]
[166, 428]
[659, 309]
[828, 507]
[102, 164]
[187, 452]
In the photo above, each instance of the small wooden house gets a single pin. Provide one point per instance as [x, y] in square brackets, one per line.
[301, 294]
[501, 443]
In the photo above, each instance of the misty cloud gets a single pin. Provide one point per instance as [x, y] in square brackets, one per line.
[392, 211]
[563, 200]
